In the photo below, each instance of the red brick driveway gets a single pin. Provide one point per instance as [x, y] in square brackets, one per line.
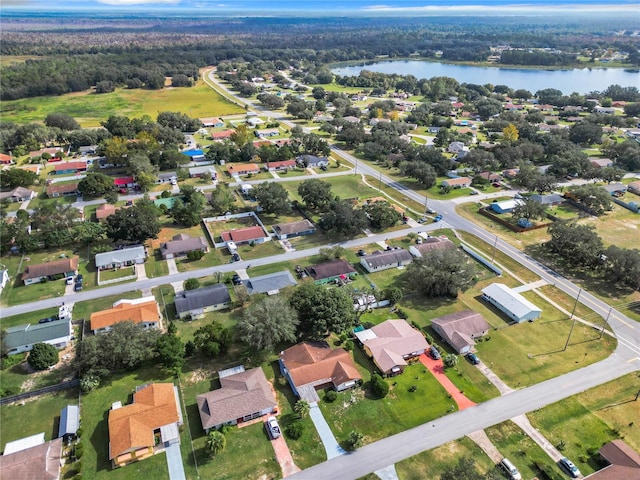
[437, 368]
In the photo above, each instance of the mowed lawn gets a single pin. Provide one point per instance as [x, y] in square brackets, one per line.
[89, 109]
[590, 419]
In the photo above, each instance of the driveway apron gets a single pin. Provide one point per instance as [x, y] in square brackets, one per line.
[437, 368]
[283, 456]
[174, 462]
[330, 443]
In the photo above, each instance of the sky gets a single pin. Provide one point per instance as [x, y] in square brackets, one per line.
[338, 7]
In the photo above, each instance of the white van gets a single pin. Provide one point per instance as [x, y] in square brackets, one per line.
[510, 469]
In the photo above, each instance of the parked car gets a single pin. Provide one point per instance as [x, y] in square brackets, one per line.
[431, 211]
[236, 279]
[434, 352]
[361, 253]
[235, 257]
[510, 469]
[571, 469]
[77, 287]
[273, 428]
[69, 281]
[48, 319]
[474, 192]
[473, 358]
[79, 278]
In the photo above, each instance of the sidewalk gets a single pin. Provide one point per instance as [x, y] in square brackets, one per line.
[437, 369]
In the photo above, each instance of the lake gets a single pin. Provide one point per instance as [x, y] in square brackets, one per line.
[581, 80]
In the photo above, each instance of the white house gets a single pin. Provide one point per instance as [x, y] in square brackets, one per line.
[510, 302]
[23, 337]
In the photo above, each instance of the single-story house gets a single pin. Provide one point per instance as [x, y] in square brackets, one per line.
[391, 343]
[201, 172]
[383, 260]
[294, 229]
[240, 169]
[195, 303]
[457, 147]
[246, 190]
[460, 329]
[42, 461]
[5, 159]
[242, 396]
[151, 422]
[601, 162]
[31, 168]
[87, 149]
[270, 283]
[511, 173]
[24, 443]
[195, 155]
[505, 206]
[634, 187]
[605, 110]
[53, 151]
[492, 177]
[62, 190]
[329, 271]
[458, 182]
[551, 199]
[510, 302]
[104, 211]
[167, 177]
[313, 365]
[223, 135]
[121, 258]
[211, 122]
[65, 267]
[255, 121]
[240, 236]
[182, 244]
[141, 311]
[70, 167]
[281, 165]
[430, 244]
[267, 132]
[433, 129]
[18, 194]
[22, 338]
[124, 182]
[615, 189]
[312, 161]
[69, 422]
[624, 462]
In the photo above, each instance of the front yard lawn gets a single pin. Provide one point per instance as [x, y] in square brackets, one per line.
[116, 273]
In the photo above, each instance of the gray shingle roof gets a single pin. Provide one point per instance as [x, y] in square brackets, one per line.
[270, 282]
[387, 257]
[120, 256]
[293, 227]
[202, 297]
[29, 334]
[330, 269]
[180, 244]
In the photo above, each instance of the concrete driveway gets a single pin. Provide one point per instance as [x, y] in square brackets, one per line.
[174, 462]
[330, 443]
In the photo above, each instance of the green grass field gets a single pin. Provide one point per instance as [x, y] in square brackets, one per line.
[89, 109]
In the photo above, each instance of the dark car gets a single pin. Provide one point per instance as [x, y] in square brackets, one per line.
[235, 257]
[236, 279]
[473, 358]
[79, 278]
[361, 253]
[434, 352]
[77, 287]
[49, 319]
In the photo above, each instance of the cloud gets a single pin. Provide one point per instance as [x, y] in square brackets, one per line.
[125, 3]
[504, 9]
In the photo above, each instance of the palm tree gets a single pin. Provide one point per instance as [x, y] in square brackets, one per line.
[216, 442]
[301, 408]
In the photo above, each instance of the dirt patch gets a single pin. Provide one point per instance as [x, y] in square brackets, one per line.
[198, 375]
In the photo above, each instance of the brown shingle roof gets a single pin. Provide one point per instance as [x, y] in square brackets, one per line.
[243, 234]
[183, 243]
[136, 313]
[460, 328]
[47, 269]
[625, 462]
[131, 427]
[103, 211]
[330, 269]
[41, 462]
[61, 189]
[435, 243]
[393, 340]
[315, 363]
[240, 395]
[293, 227]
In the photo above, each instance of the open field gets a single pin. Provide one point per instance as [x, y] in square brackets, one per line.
[89, 109]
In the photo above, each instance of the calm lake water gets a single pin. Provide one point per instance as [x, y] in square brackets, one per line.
[583, 80]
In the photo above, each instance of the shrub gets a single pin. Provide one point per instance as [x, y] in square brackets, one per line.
[88, 383]
[78, 451]
[331, 396]
[413, 388]
[295, 430]
[348, 345]
[379, 387]
[195, 255]
[43, 356]
[191, 284]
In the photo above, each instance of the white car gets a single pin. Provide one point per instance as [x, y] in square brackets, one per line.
[273, 428]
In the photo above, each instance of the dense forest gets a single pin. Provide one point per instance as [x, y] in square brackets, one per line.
[68, 54]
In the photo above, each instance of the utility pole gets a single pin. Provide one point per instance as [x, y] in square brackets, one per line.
[574, 320]
[606, 320]
[493, 252]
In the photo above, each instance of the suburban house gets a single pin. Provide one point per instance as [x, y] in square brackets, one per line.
[31, 168]
[511, 173]
[634, 187]
[239, 169]
[70, 167]
[65, 267]
[18, 194]
[211, 122]
[460, 329]
[5, 159]
[87, 149]
[240, 236]
[458, 182]
[492, 177]
[202, 172]
[330, 271]
[549, 200]
[391, 343]
[281, 165]
[150, 423]
[505, 206]
[104, 211]
[121, 258]
[122, 183]
[69, 422]
[167, 177]
[457, 147]
[309, 366]
[430, 244]
[42, 461]
[382, 260]
[267, 132]
[510, 302]
[270, 283]
[624, 462]
[62, 190]
[22, 338]
[605, 110]
[219, 136]
[615, 189]
[195, 303]
[55, 152]
[243, 396]
[195, 155]
[294, 229]
[141, 311]
[600, 162]
[182, 244]
[312, 161]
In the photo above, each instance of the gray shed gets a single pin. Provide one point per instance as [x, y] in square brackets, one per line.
[69, 421]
